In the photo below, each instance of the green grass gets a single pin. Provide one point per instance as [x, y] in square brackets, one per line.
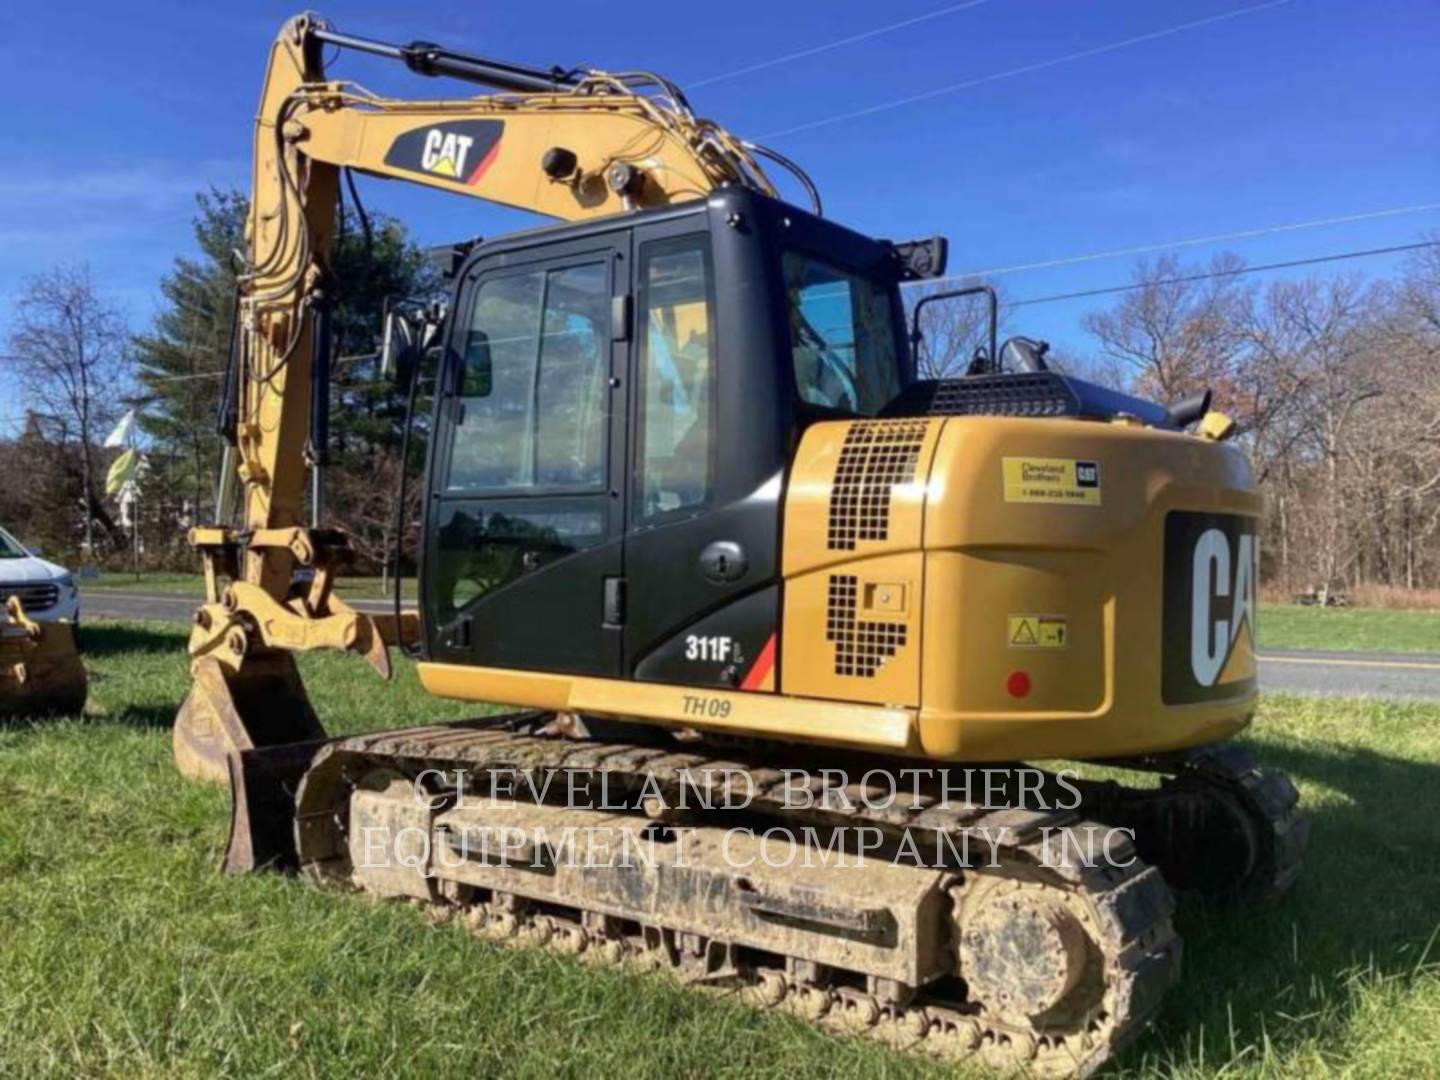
[1293, 626]
[148, 581]
[124, 953]
[194, 584]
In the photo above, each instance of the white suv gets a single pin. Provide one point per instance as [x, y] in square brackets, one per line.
[46, 591]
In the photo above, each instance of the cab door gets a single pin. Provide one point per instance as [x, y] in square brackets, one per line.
[708, 456]
[526, 507]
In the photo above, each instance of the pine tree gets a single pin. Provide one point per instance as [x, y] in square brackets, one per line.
[183, 359]
[366, 414]
[182, 363]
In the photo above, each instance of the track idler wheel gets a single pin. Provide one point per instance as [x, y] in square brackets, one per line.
[1025, 953]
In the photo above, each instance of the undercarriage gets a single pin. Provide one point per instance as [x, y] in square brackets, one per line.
[1013, 917]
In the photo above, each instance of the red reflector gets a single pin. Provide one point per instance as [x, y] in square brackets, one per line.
[1018, 684]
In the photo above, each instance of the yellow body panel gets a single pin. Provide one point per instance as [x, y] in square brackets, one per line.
[854, 524]
[942, 566]
[733, 711]
[1001, 546]
[1100, 565]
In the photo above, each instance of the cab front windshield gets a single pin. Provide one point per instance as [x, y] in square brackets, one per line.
[10, 547]
[842, 336]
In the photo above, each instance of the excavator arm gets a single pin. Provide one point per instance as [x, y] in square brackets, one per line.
[567, 144]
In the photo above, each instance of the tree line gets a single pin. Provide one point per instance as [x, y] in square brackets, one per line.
[80, 370]
[1332, 379]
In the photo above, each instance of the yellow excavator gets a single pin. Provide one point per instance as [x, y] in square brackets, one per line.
[691, 513]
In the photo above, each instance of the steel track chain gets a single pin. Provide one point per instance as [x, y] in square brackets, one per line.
[1124, 904]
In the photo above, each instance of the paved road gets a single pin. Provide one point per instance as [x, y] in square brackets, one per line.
[1348, 674]
[1321, 673]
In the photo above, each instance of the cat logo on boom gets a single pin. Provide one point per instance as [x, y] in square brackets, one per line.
[1211, 570]
[445, 152]
[462, 150]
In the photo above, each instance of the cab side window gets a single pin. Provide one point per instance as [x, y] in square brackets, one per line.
[677, 378]
[842, 336]
[533, 398]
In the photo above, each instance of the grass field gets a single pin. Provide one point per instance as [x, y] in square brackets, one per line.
[1291, 626]
[124, 953]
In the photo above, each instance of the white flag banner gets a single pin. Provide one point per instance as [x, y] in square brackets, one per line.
[129, 493]
[121, 435]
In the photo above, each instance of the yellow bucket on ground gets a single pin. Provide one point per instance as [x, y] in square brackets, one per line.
[40, 669]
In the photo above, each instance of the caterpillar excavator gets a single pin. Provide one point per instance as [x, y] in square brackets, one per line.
[693, 516]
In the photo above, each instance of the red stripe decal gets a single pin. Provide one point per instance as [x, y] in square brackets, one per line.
[761, 668]
[485, 163]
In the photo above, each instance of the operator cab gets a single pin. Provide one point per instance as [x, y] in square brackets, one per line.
[615, 409]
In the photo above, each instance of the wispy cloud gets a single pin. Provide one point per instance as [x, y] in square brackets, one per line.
[129, 221]
[149, 188]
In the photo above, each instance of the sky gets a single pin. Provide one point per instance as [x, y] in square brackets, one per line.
[1024, 130]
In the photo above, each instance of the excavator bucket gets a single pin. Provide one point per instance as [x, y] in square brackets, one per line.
[262, 704]
[263, 786]
[40, 669]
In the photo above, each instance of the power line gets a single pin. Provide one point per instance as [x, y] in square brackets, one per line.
[836, 44]
[1195, 241]
[1025, 69]
[181, 378]
[357, 358]
[1186, 278]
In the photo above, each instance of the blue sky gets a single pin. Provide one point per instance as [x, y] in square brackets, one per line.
[1305, 109]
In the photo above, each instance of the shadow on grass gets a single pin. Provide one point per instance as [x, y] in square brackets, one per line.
[145, 717]
[114, 639]
[106, 649]
[1278, 975]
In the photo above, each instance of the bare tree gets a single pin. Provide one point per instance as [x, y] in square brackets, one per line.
[68, 353]
[953, 330]
[1335, 385]
[1175, 333]
[1420, 291]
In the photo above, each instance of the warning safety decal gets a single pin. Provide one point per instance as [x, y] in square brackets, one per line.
[1036, 632]
[1052, 480]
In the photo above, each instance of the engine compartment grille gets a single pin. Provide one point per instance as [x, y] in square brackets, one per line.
[1041, 393]
[873, 460]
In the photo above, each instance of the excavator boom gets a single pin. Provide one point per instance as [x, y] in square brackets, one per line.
[571, 145]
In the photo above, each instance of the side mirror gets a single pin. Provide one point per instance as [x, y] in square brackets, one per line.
[36, 550]
[917, 338]
[399, 348]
